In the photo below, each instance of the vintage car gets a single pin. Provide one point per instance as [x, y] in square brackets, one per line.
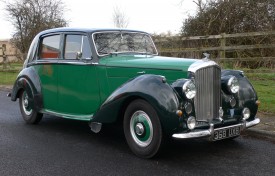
[111, 75]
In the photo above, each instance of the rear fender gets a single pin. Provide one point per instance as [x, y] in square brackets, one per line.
[29, 81]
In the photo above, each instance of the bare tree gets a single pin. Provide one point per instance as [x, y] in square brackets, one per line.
[29, 17]
[230, 16]
[120, 19]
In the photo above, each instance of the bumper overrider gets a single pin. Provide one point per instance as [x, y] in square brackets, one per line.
[211, 131]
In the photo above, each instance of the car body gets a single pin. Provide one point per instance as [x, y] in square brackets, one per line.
[114, 75]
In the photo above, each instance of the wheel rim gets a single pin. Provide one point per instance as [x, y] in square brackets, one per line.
[141, 128]
[25, 104]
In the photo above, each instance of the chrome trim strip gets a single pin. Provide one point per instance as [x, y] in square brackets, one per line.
[252, 123]
[201, 64]
[64, 62]
[210, 131]
[87, 117]
[196, 134]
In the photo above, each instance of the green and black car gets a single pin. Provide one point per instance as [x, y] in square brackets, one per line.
[111, 75]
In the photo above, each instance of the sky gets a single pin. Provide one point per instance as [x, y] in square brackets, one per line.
[153, 16]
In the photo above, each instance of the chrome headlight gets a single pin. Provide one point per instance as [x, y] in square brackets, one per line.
[189, 89]
[233, 85]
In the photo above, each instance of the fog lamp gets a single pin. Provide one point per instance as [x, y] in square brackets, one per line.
[188, 108]
[246, 113]
[191, 122]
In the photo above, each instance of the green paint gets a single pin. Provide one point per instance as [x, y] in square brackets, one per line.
[76, 90]
[69, 89]
[147, 128]
[48, 75]
[121, 68]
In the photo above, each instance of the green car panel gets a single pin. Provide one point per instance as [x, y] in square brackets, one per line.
[48, 76]
[120, 69]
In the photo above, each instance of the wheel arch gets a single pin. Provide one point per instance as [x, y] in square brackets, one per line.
[150, 88]
[29, 81]
[247, 95]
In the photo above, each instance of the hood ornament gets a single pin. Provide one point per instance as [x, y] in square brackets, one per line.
[207, 55]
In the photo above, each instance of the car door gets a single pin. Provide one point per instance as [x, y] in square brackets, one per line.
[78, 90]
[46, 66]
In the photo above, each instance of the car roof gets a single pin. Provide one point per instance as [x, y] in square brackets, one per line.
[87, 30]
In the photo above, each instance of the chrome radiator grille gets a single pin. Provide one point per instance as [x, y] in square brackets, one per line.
[208, 97]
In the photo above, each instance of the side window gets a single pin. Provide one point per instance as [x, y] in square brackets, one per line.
[50, 48]
[77, 47]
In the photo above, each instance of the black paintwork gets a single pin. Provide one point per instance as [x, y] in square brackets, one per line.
[246, 97]
[151, 88]
[29, 81]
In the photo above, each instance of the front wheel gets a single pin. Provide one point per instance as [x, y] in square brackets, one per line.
[29, 115]
[142, 129]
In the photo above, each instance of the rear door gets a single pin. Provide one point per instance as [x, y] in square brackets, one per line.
[47, 68]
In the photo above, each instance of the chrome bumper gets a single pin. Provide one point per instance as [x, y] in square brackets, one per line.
[210, 132]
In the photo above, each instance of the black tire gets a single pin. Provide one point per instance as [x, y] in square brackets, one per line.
[142, 129]
[29, 115]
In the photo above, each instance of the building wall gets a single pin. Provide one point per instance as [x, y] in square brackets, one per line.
[13, 54]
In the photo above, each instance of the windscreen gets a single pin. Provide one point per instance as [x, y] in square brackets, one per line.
[123, 42]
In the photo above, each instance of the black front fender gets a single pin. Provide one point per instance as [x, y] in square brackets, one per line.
[151, 88]
[247, 95]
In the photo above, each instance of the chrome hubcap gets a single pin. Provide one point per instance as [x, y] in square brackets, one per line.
[25, 104]
[141, 128]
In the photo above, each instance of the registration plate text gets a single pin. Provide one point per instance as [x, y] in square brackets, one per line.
[226, 133]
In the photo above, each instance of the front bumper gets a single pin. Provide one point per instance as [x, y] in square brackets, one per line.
[210, 132]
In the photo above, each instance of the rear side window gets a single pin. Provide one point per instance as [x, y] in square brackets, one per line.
[50, 47]
[77, 47]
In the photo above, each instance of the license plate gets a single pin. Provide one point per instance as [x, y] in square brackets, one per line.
[226, 132]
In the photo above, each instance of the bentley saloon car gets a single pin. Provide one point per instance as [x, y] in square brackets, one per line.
[111, 75]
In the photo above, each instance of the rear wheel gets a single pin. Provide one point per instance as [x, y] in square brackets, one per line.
[142, 129]
[29, 115]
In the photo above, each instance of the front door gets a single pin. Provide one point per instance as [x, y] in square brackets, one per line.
[78, 90]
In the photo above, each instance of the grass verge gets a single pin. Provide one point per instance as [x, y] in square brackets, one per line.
[264, 84]
[8, 76]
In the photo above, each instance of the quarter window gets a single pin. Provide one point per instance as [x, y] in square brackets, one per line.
[50, 47]
[77, 47]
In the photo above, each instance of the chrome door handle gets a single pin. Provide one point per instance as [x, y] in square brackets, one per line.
[141, 72]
